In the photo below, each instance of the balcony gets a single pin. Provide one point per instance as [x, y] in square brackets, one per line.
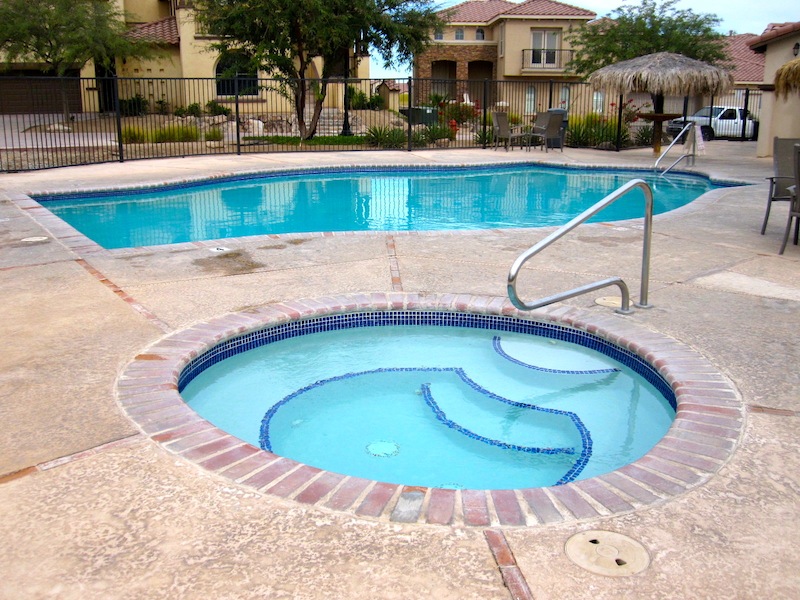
[538, 59]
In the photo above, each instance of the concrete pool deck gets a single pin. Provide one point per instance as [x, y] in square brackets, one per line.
[92, 508]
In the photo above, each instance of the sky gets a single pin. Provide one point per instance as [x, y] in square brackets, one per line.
[739, 16]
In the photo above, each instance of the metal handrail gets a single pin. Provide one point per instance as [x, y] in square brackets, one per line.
[691, 154]
[513, 273]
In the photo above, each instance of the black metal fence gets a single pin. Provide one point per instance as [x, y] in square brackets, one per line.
[50, 122]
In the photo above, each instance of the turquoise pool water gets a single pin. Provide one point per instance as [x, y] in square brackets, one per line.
[453, 407]
[362, 200]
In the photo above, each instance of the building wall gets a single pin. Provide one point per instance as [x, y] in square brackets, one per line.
[780, 117]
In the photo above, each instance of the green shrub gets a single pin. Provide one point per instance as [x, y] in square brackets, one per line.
[644, 136]
[133, 107]
[439, 131]
[162, 107]
[482, 137]
[419, 139]
[180, 111]
[133, 134]
[214, 135]
[215, 109]
[194, 110]
[593, 129]
[386, 137]
[176, 133]
[358, 98]
[459, 112]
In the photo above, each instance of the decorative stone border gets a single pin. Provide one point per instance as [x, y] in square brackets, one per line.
[707, 427]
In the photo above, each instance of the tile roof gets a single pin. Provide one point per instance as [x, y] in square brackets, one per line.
[773, 32]
[483, 11]
[548, 8]
[164, 31]
[748, 66]
[476, 11]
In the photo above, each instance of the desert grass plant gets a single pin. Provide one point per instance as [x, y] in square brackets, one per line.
[176, 133]
[214, 135]
[593, 129]
[439, 131]
[134, 134]
[386, 137]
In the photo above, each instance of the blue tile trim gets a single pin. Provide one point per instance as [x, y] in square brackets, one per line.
[586, 439]
[255, 339]
[389, 170]
[496, 344]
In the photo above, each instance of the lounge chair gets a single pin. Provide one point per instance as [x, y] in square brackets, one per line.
[503, 132]
[794, 206]
[782, 151]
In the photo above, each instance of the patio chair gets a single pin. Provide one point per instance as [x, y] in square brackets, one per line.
[547, 130]
[794, 206]
[503, 132]
[539, 132]
[782, 150]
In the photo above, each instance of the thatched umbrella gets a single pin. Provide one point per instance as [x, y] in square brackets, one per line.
[662, 74]
[787, 78]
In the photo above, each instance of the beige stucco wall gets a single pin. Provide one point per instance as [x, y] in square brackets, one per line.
[144, 11]
[518, 38]
[780, 117]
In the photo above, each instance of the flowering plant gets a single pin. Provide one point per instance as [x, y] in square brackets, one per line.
[629, 110]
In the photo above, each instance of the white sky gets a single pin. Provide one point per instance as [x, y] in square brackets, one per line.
[740, 16]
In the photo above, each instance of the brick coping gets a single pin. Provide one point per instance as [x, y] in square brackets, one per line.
[706, 429]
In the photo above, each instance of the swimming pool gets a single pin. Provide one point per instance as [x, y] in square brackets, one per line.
[393, 199]
[435, 399]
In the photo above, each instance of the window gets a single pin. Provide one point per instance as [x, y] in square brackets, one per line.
[501, 42]
[544, 46]
[728, 115]
[460, 33]
[480, 34]
[598, 102]
[565, 91]
[234, 74]
[530, 100]
[438, 35]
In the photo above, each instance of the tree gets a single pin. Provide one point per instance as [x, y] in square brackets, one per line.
[284, 38]
[65, 35]
[634, 31]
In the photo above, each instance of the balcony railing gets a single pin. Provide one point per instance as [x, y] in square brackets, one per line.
[539, 59]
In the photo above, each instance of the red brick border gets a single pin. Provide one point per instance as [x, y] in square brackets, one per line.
[704, 434]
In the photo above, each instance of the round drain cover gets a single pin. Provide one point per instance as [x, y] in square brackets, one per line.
[607, 553]
[383, 449]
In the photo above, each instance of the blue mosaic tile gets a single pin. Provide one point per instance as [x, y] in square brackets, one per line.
[496, 344]
[586, 441]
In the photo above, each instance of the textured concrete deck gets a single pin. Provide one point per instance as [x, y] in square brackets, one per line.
[91, 508]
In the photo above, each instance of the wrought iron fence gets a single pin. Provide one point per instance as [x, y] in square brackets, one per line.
[50, 122]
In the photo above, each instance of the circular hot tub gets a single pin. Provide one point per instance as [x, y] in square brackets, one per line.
[438, 409]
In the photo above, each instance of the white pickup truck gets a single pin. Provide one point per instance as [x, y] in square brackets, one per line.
[724, 121]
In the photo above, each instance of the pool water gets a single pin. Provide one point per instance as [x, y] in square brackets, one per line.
[404, 199]
[453, 407]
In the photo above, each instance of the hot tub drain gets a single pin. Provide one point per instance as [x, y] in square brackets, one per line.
[607, 553]
[383, 449]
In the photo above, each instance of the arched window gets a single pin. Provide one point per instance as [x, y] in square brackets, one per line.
[460, 33]
[480, 34]
[438, 35]
[234, 74]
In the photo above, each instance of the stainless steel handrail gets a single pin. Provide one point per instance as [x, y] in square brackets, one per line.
[691, 154]
[513, 273]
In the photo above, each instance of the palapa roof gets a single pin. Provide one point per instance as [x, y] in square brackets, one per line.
[663, 73]
[787, 78]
